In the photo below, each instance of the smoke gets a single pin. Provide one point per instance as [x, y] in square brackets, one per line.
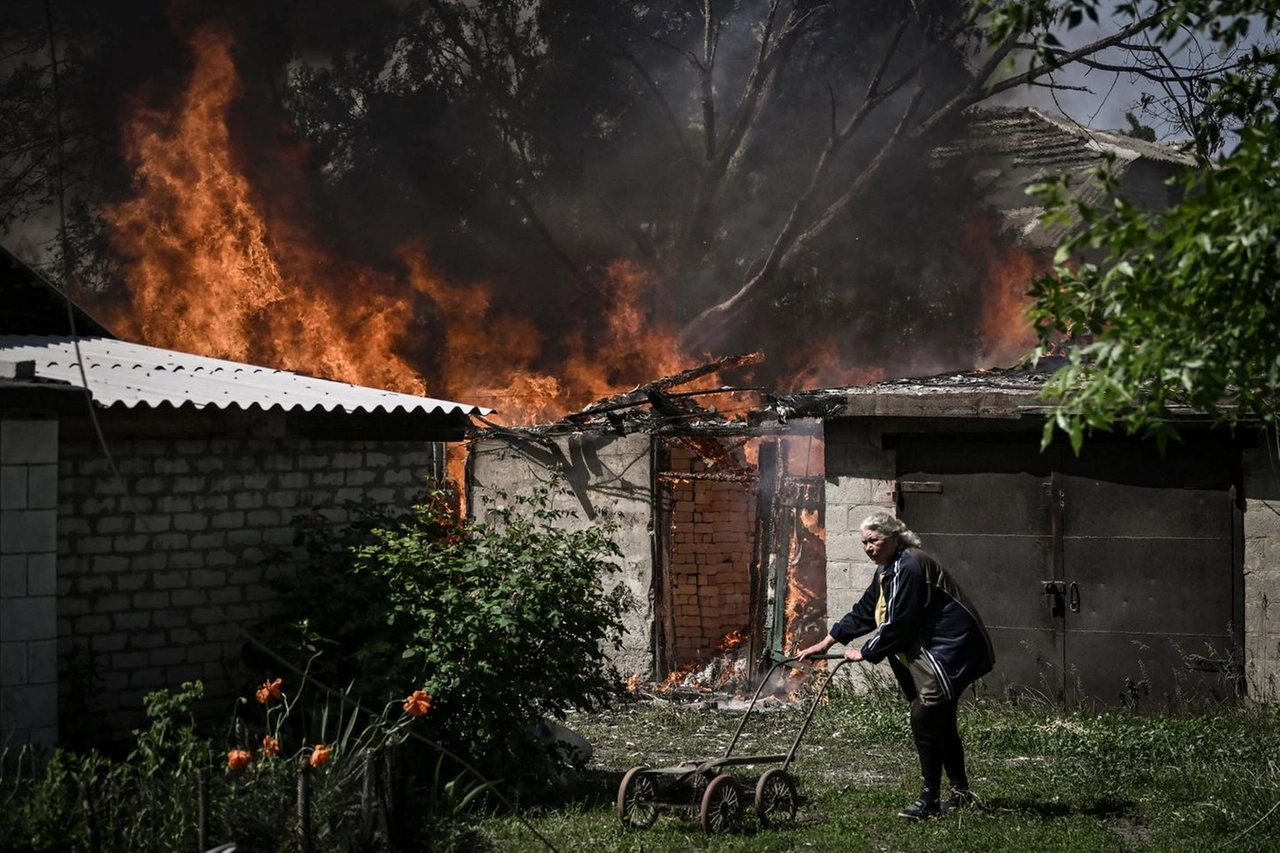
[523, 157]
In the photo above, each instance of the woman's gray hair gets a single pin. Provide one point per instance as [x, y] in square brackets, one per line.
[883, 522]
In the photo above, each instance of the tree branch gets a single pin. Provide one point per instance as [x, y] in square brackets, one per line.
[1067, 58]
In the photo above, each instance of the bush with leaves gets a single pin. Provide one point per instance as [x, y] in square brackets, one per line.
[503, 622]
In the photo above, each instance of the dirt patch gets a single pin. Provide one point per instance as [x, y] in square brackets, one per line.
[1132, 834]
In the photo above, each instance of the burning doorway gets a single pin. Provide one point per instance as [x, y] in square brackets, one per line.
[740, 572]
[719, 519]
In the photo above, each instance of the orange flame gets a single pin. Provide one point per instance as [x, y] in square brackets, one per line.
[210, 271]
[205, 272]
[491, 356]
[806, 599]
[1006, 333]
[212, 268]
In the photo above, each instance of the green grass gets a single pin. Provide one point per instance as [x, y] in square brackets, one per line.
[1048, 780]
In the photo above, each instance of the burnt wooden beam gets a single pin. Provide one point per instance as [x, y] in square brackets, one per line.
[640, 394]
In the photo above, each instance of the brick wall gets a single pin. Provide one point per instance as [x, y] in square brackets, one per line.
[28, 578]
[711, 547]
[159, 569]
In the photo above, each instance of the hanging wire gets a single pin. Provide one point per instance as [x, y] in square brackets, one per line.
[68, 268]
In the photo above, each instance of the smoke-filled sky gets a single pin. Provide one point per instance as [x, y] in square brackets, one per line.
[525, 205]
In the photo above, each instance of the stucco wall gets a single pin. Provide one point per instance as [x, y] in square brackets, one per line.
[604, 474]
[28, 580]
[1262, 574]
[158, 569]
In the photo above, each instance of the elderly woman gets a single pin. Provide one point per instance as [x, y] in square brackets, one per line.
[935, 643]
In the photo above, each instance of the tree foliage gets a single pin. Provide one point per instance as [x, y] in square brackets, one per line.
[1178, 309]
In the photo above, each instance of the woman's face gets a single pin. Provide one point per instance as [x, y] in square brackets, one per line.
[879, 546]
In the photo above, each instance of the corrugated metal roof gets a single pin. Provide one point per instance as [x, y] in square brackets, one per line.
[1007, 149]
[120, 373]
[1050, 142]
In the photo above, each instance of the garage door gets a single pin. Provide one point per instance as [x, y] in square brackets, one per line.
[1112, 577]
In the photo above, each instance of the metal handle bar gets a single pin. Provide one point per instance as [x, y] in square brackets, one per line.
[791, 662]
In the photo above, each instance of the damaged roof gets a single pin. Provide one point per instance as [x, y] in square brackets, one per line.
[1007, 149]
[128, 375]
[985, 393]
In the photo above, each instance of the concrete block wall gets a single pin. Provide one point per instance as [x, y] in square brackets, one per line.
[713, 527]
[1262, 575]
[28, 582]
[160, 568]
[601, 476]
[860, 480]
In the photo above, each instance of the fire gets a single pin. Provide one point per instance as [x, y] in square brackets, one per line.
[806, 600]
[205, 272]
[1006, 334]
[821, 365]
[726, 668]
[491, 357]
[213, 269]
[219, 267]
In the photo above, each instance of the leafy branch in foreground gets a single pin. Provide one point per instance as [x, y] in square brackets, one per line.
[1175, 309]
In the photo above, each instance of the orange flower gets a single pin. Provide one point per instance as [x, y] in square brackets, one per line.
[238, 759]
[418, 703]
[320, 755]
[270, 746]
[269, 690]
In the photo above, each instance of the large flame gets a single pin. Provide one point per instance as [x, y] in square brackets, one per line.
[207, 275]
[213, 269]
[1007, 336]
[210, 271]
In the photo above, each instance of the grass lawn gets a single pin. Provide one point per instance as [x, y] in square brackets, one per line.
[1048, 780]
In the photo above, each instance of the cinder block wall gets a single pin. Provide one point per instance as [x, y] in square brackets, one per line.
[711, 548]
[604, 475]
[860, 477]
[158, 570]
[28, 580]
[1262, 574]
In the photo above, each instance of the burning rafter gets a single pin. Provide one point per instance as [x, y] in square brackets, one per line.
[641, 394]
[652, 407]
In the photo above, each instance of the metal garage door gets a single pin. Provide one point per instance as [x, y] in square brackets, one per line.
[1111, 577]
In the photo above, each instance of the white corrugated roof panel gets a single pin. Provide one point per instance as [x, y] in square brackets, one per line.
[131, 375]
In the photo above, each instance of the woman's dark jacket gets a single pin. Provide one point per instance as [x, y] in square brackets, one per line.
[924, 611]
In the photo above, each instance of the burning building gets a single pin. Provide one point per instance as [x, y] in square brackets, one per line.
[1123, 575]
[141, 490]
[720, 518]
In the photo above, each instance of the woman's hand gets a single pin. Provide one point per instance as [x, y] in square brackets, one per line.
[816, 649]
[853, 654]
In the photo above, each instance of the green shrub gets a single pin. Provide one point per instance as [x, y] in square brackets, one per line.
[503, 622]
